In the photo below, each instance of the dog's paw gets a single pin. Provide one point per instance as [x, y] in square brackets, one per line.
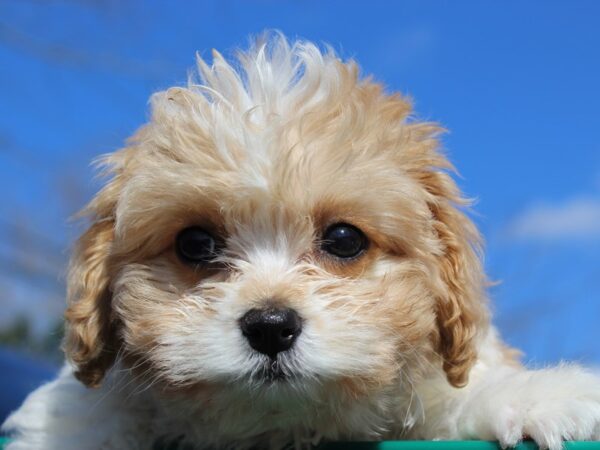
[549, 406]
[549, 423]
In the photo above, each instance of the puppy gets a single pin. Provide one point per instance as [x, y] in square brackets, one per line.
[280, 257]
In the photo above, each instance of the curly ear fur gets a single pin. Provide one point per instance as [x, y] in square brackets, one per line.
[462, 306]
[89, 340]
[461, 313]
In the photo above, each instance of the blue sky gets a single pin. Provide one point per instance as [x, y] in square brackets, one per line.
[516, 83]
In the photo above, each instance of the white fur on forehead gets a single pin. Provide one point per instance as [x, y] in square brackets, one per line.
[272, 77]
[242, 104]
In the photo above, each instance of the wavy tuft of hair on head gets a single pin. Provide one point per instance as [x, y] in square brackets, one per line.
[235, 108]
[274, 76]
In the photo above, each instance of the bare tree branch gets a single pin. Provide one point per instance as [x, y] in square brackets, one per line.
[77, 59]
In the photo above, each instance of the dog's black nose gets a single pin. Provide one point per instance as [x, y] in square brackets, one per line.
[271, 330]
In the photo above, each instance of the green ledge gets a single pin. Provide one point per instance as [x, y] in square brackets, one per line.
[432, 445]
[448, 445]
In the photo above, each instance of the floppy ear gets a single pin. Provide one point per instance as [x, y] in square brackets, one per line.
[462, 306]
[90, 339]
[91, 342]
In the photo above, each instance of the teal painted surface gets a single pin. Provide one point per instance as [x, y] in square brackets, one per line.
[432, 445]
[447, 445]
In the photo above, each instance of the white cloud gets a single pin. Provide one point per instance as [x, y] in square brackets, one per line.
[576, 218]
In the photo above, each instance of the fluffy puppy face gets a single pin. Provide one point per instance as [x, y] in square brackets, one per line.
[287, 184]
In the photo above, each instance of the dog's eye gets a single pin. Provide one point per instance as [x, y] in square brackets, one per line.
[195, 246]
[344, 241]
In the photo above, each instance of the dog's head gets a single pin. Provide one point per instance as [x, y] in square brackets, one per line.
[278, 224]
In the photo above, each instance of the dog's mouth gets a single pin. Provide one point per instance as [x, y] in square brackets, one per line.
[272, 372]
